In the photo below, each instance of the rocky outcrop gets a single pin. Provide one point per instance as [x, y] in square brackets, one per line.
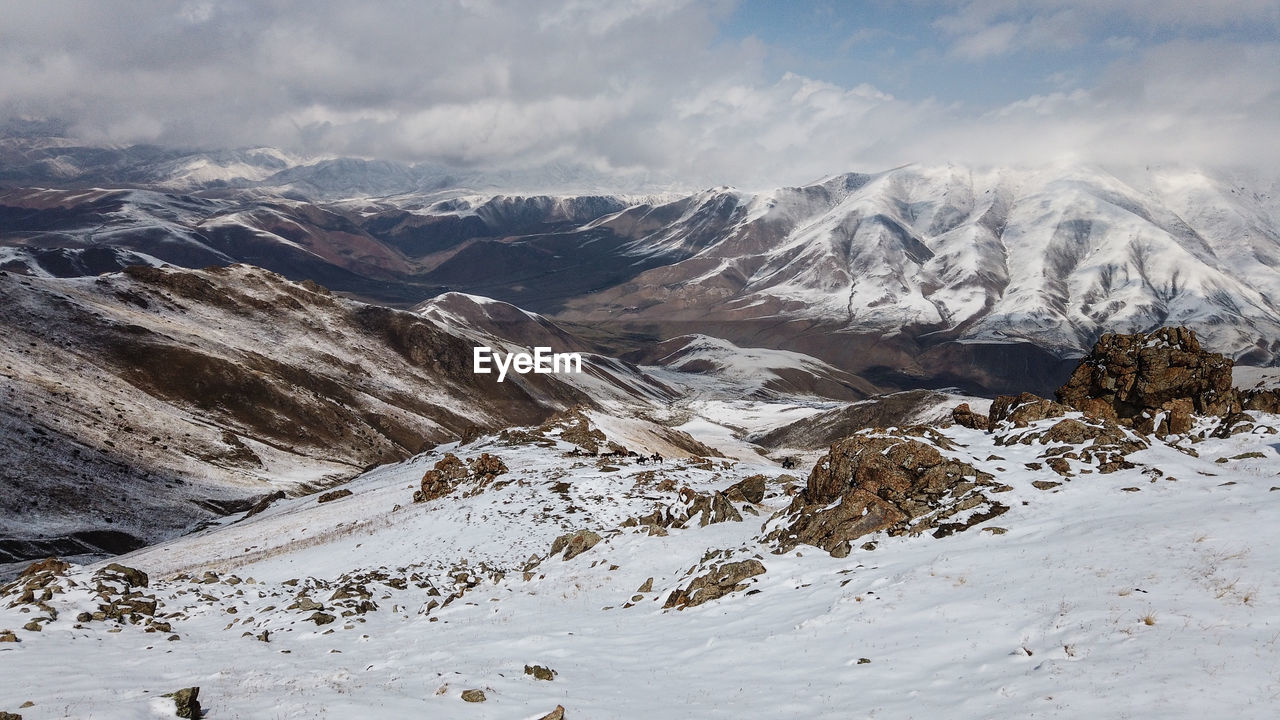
[574, 544]
[1267, 401]
[450, 472]
[1023, 409]
[717, 582]
[893, 483]
[707, 508]
[1152, 381]
[963, 416]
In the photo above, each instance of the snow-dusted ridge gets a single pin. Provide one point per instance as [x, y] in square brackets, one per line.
[1159, 578]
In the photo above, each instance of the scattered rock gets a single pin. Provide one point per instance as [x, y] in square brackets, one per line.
[9, 636]
[321, 618]
[557, 714]
[646, 586]
[9, 716]
[474, 696]
[1044, 484]
[540, 672]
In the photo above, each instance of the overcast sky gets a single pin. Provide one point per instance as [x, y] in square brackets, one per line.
[742, 93]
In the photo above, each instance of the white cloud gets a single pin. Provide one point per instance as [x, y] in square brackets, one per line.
[643, 85]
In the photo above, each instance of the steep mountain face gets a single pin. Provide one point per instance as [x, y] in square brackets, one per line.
[1048, 257]
[915, 276]
[138, 404]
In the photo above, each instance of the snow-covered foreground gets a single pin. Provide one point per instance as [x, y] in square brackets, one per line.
[1120, 595]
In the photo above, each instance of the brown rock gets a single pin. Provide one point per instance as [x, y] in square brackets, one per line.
[474, 696]
[187, 703]
[894, 484]
[1138, 376]
[750, 489]
[965, 417]
[557, 714]
[574, 544]
[540, 672]
[333, 495]
[717, 582]
[1021, 410]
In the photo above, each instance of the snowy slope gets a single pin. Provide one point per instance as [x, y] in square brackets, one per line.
[1133, 594]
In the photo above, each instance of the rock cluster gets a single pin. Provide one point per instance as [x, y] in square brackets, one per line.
[1102, 445]
[873, 482]
[1023, 409]
[1154, 381]
[720, 580]
[450, 472]
[707, 508]
[119, 591]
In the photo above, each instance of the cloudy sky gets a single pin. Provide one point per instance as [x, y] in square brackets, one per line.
[749, 93]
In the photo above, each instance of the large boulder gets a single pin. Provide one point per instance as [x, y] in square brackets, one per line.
[717, 582]
[1153, 381]
[870, 483]
[963, 416]
[574, 544]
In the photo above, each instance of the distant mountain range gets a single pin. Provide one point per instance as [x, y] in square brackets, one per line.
[987, 279]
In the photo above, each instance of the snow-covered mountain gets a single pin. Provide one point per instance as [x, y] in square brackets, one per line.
[1051, 256]
[920, 275]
